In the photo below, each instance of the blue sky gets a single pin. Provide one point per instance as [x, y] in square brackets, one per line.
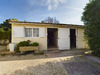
[66, 11]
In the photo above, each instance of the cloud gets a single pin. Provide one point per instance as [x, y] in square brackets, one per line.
[74, 20]
[79, 9]
[33, 2]
[52, 4]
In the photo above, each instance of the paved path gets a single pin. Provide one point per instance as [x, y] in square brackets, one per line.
[52, 63]
[83, 67]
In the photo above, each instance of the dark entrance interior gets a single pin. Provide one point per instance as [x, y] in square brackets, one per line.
[72, 38]
[52, 37]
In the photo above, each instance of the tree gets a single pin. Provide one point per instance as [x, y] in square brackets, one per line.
[91, 19]
[5, 30]
[5, 35]
[14, 19]
[91, 0]
[6, 23]
[51, 20]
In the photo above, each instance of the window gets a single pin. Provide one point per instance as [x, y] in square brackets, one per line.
[31, 32]
[28, 32]
[35, 32]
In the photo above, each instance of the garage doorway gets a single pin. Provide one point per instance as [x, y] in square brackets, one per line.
[52, 38]
[72, 38]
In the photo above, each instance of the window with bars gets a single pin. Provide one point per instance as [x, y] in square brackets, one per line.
[31, 32]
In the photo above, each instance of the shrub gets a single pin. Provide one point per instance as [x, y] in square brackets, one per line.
[5, 29]
[22, 43]
[35, 44]
[25, 43]
[91, 19]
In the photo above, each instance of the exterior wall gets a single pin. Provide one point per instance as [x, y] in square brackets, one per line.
[80, 40]
[80, 43]
[41, 40]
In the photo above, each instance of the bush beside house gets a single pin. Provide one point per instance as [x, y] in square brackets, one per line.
[4, 36]
[91, 19]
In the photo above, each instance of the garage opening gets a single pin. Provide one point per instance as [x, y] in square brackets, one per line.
[72, 38]
[52, 38]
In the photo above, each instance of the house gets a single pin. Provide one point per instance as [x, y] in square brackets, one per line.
[49, 36]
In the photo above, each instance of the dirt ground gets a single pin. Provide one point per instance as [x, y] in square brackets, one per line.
[51, 63]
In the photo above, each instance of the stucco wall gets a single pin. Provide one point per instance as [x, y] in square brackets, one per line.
[41, 40]
[80, 40]
[80, 43]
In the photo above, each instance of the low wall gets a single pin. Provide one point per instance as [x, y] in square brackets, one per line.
[2, 42]
[3, 48]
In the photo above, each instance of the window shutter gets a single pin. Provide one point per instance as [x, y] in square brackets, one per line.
[41, 32]
[18, 31]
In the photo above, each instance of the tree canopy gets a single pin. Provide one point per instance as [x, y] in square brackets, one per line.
[5, 30]
[91, 19]
[4, 35]
[6, 23]
[51, 20]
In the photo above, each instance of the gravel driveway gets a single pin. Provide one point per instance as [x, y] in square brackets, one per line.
[52, 63]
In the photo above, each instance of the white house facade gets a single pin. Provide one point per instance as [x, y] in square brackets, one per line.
[49, 36]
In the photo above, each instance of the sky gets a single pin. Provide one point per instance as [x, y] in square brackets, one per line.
[65, 11]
